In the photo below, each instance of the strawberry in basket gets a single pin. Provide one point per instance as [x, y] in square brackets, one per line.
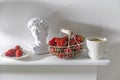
[79, 38]
[72, 41]
[66, 46]
[61, 41]
[52, 42]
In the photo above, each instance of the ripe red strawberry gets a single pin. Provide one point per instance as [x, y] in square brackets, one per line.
[76, 36]
[10, 53]
[60, 55]
[62, 42]
[65, 38]
[66, 43]
[68, 50]
[52, 50]
[18, 53]
[57, 39]
[58, 43]
[17, 47]
[77, 48]
[52, 42]
[72, 41]
[80, 38]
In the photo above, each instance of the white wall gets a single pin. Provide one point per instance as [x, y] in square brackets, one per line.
[87, 17]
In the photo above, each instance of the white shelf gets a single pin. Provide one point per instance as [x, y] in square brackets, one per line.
[53, 60]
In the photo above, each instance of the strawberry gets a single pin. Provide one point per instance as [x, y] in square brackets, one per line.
[10, 53]
[18, 53]
[57, 39]
[77, 48]
[80, 38]
[76, 36]
[72, 41]
[68, 50]
[17, 47]
[52, 42]
[63, 42]
[58, 43]
[60, 55]
[65, 38]
[52, 50]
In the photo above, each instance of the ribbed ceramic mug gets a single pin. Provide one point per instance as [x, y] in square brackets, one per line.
[96, 47]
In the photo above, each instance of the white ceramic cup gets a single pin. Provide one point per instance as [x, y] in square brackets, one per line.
[96, 49]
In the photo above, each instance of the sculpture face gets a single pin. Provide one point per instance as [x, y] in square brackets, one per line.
[35, 32]
[39, 30]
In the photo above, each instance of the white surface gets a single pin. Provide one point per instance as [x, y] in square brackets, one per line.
[52, 60]
[48, 72]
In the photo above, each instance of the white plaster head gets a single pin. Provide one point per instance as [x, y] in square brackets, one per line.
[39, 30]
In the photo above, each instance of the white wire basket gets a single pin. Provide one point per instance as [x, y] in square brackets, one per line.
[72, 49]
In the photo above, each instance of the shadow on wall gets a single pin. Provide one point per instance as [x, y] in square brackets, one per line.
[58, 21]
[14, 16]
[78, 28]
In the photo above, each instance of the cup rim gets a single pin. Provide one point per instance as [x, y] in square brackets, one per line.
[98, 37]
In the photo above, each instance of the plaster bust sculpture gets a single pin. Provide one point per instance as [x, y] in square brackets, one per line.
[39, 30]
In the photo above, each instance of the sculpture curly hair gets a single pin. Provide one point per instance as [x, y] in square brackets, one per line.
[38, 23]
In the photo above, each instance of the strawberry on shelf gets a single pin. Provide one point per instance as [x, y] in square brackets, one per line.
[10, 53]
[17, 47]
[18, 53]
[14, 52]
